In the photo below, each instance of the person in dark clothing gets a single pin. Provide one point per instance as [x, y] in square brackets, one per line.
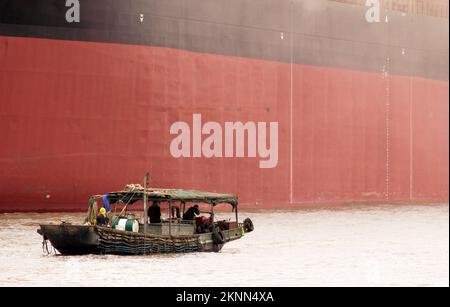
[190, 214]
[154, 213]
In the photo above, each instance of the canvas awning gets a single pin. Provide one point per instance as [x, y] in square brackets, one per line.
[134, 193]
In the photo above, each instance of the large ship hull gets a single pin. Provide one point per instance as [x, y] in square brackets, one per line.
[361, 108]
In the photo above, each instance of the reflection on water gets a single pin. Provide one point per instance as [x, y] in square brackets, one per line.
[381, 245]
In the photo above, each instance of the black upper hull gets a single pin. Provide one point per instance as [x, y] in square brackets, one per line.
[325, 33]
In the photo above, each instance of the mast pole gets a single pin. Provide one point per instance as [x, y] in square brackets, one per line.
[146, 178]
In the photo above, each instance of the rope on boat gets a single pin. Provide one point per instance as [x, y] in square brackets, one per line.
[45, 249]
[133, 188]
[92, 213]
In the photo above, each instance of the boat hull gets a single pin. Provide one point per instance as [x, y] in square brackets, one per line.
[82, 240]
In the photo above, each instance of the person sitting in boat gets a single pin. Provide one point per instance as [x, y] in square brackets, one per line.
[154, 213]
[102, 218]
[190, 214]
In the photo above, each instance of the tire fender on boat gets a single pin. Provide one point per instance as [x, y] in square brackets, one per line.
[248, 225]
[219, 236]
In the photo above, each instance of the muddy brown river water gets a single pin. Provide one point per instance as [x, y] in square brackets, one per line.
[382, 245]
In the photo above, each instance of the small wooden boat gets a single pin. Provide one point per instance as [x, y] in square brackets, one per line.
[127, 235]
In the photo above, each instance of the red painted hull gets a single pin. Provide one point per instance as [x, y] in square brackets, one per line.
[82, 118]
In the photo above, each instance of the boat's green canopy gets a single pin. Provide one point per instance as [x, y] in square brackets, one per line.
[133, 193]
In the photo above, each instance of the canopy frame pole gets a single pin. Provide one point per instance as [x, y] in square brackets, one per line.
[146, 178]
[170, 218]
[213, 218]
[237, 217]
